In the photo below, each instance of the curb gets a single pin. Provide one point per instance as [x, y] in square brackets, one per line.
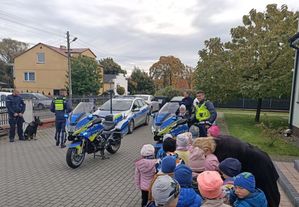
[288, 188]
[296, 165]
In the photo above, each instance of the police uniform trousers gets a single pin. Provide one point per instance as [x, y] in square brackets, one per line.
[60, 131]
[13, 121]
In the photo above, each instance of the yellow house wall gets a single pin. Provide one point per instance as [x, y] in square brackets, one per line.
[48, 76]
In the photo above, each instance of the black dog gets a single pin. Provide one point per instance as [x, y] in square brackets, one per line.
[30, 131]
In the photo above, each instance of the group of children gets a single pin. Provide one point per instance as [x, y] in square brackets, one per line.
[186, 173]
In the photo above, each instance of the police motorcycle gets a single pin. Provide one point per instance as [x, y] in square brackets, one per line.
[166, 121]
[93, 135]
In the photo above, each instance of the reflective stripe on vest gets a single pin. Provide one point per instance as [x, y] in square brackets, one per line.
[59, 104]
[202, 113]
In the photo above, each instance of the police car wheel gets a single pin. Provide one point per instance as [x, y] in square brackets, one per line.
[131, 127]
[147, 118]
[40, 106]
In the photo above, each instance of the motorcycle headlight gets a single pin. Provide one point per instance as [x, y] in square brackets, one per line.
[155, 129]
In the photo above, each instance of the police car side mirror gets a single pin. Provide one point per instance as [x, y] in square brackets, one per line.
[90, 116]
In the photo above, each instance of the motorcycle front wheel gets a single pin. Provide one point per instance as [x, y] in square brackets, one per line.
[73, 159]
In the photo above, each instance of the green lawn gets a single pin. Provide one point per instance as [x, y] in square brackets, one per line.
[241, 124]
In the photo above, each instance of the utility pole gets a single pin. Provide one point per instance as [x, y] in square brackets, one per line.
[69, 66]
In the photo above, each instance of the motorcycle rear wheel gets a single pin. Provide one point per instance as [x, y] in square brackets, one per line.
[113, 148]
[73, 159]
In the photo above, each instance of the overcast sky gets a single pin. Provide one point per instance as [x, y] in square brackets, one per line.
[132, 32]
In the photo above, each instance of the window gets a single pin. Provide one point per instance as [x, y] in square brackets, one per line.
[29, 76]
[41, 58]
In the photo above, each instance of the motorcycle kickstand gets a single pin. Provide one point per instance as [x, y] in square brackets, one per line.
[102, 155]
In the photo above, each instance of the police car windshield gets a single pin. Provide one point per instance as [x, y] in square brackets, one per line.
[170, 107]
[117, 105]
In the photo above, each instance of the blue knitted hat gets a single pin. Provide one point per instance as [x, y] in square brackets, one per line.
[168, 164]
[183, 174]
[245, 180]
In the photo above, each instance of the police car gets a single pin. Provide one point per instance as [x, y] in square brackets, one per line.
[132, 112]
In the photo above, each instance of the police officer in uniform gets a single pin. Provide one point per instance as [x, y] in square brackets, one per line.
[204, 113]
[16, 108]
[60, 106]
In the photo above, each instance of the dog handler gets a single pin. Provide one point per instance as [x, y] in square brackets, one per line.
[60, 106]
[16, 108]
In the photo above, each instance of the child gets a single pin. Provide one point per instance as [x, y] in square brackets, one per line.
[145, 171]
[245, 193]
[167, 167]
[161, 153]
[208, 145]
[209, 185]
[214, 131]
[183, 112]
[165, 191]
[182, 143]
[169, 147]
[188, 197]
[196, 163]
[230, 167]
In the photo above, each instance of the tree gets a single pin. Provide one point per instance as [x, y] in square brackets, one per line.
[9, 49]
[140, 82]
[214, 73]
[120, 90]
[111, 67]
[169, 92]
[167, 71]
[188, 73]
[264, 58]
[86, 76]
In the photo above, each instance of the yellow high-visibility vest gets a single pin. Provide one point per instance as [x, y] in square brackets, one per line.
[202, 113]
[59, 104]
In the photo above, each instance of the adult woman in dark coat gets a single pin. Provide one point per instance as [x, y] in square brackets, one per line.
[253, 160]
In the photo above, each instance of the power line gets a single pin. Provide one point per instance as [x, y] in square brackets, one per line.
[13, 19]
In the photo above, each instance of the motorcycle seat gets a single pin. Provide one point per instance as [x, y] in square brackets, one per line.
[108, 125]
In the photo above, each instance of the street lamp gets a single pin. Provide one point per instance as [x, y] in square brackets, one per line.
[69, 64]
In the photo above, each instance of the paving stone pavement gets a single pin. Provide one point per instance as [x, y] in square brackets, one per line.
[35, 173]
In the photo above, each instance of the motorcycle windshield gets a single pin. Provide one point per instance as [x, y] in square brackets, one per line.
[81, 110]
[167, 111]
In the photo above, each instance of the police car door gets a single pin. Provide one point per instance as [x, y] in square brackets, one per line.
[143, 111]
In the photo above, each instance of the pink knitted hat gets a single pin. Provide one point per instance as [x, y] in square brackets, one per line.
[209, 184]
[214, 131]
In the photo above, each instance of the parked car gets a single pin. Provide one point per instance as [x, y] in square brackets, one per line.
[39, 100]
[134, 112]
[3, 96]
[162, 100]
[177, 99]
[150, 100]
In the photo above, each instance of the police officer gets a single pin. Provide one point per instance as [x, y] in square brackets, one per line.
[204, 113]
[60, 106]
[16, 108]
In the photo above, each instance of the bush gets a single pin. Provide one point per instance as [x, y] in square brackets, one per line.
[120, 90]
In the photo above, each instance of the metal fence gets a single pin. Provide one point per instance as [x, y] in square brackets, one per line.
[244, 103]
[46, 113]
